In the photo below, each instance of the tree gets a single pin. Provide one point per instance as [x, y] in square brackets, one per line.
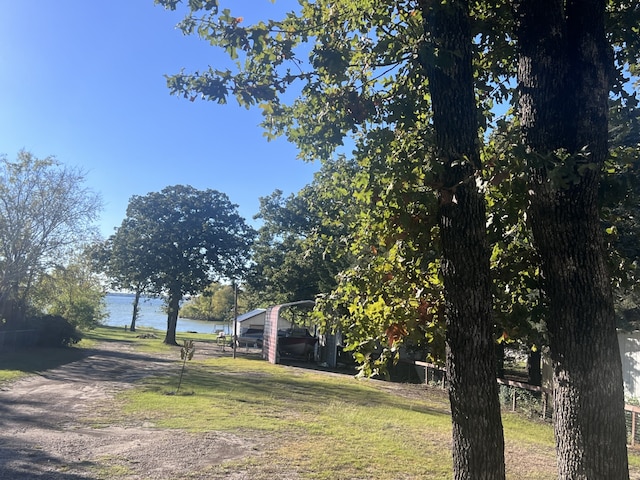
[620, 190]
[73, 292]
[45, 211]
[465, 250]
[365, 78]
[521, 306]
[186, 238]
[350, 61]
[564, 80]
[127, 262]
[214, 304]
[299, 250]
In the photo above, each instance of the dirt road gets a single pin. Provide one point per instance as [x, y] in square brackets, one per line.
[46, 432]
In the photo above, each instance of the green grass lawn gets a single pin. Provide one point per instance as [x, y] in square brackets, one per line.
[323, 426]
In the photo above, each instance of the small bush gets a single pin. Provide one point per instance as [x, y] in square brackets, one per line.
[54, 331]
[527, 402]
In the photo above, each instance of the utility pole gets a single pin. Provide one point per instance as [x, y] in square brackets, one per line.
[234, 335]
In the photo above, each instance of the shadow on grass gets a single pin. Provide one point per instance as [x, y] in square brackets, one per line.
[281, 388]
[110, 334]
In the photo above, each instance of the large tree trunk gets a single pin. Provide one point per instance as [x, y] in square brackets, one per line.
[478, 443]
[563, 80]
[136, 311]
[173, 306]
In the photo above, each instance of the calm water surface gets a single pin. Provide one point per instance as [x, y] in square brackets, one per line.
[120, 308]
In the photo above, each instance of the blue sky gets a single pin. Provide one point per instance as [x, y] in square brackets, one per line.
[83, 80]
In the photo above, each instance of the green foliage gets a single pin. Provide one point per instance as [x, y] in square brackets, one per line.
[124, 260]
[73, 292]
[359, 72]
[188, 235]
[54, 331]
[215, 303]
[45, 214]
[345, 73]
[179, 239]
[619, 193]
[526, 402]
[186, 353]
[519, 306]
[391, 293]
[302, 243]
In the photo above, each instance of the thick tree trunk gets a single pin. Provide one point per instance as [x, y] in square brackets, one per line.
[136, 311]
[173, 307]
[478, 443]
[563, 78]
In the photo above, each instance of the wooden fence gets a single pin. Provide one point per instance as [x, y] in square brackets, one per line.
[632, 412]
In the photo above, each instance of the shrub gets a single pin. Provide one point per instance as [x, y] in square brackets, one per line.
[54, 331]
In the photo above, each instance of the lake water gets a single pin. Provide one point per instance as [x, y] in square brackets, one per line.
[120, 308]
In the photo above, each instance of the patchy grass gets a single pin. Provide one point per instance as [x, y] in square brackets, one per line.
[145, 339]
[313, 425]
[634, 459]
[327, 426]
[320, 425]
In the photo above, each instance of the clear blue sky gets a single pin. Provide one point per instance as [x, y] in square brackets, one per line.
[83, 80]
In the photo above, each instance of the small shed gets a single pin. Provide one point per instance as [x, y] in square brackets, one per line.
[255, 320]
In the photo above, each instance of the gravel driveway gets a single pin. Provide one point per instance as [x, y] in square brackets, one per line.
[45, 433]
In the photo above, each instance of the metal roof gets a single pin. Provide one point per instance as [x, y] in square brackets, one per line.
[251, 314]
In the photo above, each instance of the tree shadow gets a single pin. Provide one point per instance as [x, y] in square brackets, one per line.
[28, 462]
[36, 405]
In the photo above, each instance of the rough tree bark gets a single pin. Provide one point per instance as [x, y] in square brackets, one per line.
[478, 442]
[564, 67]
[136, 310]
[173, 307]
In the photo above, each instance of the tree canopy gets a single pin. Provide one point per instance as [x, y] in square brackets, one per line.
[385, 75]
[73, 291]
[46, 213]
[216, 303]
[300, 248]
[180, 239]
